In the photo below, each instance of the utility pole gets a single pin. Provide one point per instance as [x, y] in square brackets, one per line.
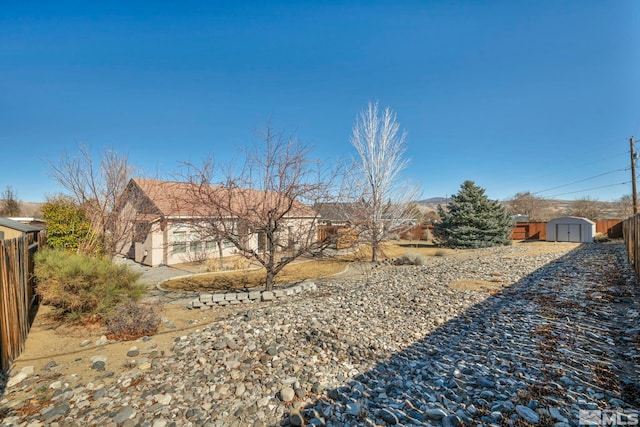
[634, 194]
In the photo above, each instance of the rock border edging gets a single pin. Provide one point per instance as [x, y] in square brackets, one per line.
[209, 300]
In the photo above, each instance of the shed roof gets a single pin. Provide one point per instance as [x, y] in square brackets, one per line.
[15, 225]
[571, 219]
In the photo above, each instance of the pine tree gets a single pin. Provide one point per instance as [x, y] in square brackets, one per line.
[473, 221]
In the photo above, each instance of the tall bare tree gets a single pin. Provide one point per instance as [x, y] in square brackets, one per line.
[525, 203]
[587, 207]
[99, 188]
[625, 206]
[264, 209]
[381, 201]
[10, 204]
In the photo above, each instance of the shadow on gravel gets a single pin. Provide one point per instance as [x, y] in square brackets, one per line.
[561, 339]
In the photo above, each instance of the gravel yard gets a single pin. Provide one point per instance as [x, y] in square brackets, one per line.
[547, 335]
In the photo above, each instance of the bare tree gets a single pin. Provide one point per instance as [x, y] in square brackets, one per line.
[10, 204]
[381, 201]
[99, 187]
[587, 207]
[625, 206]
[264, 209]
[536, 208]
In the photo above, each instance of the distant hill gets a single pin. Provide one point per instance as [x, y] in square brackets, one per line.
[434, 201]
[29, 209]
[610, 210]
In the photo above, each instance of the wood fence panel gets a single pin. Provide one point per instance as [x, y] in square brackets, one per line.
[611, 227]
[529, 231]
[631, 232]
[17, 293]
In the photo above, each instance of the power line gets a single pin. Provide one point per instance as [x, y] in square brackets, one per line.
[588, 189]
[575, 166]
[581, 180]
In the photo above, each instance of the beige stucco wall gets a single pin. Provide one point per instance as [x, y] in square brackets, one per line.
[195, 254]
[10, 233]
[158, 247]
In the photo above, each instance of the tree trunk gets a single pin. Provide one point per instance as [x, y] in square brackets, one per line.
[374, 249]
[269, 280]
[220, 263]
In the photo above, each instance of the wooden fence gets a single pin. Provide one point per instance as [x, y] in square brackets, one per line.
[343, 236]
[538, 230]
[611, 227]
[529, 231]
[17, 293]
[631, 231]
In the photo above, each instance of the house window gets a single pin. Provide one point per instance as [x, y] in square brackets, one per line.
[210, 245]
[179, 242]
[263, 242]
[194, 243]
[227, 244]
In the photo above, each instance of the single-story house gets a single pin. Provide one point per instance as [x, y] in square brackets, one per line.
[10, 229]
[171, 221]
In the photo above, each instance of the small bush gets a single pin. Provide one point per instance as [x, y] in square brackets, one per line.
[600, 238]
[440, 252]
[80, 286]
[412, 258]
[130, 321]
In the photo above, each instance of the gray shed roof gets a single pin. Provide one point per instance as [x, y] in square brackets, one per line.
[15, 225]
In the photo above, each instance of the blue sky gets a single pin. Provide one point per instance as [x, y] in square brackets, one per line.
[517, 96]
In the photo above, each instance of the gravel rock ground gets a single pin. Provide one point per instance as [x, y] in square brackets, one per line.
[395, 346]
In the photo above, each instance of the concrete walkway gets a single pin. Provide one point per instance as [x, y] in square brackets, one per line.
[152, 276]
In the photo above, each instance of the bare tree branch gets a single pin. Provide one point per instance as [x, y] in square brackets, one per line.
[380, 200]
[536, 208]
[100, 191]
[264, 209]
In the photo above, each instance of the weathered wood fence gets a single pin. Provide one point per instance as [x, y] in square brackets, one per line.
[343, 235]
[631, 232]
[17, 293]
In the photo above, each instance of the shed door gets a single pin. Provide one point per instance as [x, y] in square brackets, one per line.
[568, 232]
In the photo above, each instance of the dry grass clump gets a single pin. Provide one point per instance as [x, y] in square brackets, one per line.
[81, 286]
[130, 321]
[243, 279]
[412, 258]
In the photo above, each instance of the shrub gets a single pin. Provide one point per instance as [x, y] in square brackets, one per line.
[130, 320]
[440, 252]
[412, 258]
[67, 224]
[81, 285]
[600, 238]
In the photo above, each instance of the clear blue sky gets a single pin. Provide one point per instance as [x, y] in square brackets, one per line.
[515, 95]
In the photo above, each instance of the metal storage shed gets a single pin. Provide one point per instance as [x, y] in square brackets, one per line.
[571, 229]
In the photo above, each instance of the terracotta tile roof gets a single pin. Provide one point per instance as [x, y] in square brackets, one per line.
[184, 199]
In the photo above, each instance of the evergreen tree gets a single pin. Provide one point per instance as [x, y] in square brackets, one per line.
[473, 221]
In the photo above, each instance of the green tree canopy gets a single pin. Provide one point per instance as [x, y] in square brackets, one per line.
[471, 220]
[67, 225]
